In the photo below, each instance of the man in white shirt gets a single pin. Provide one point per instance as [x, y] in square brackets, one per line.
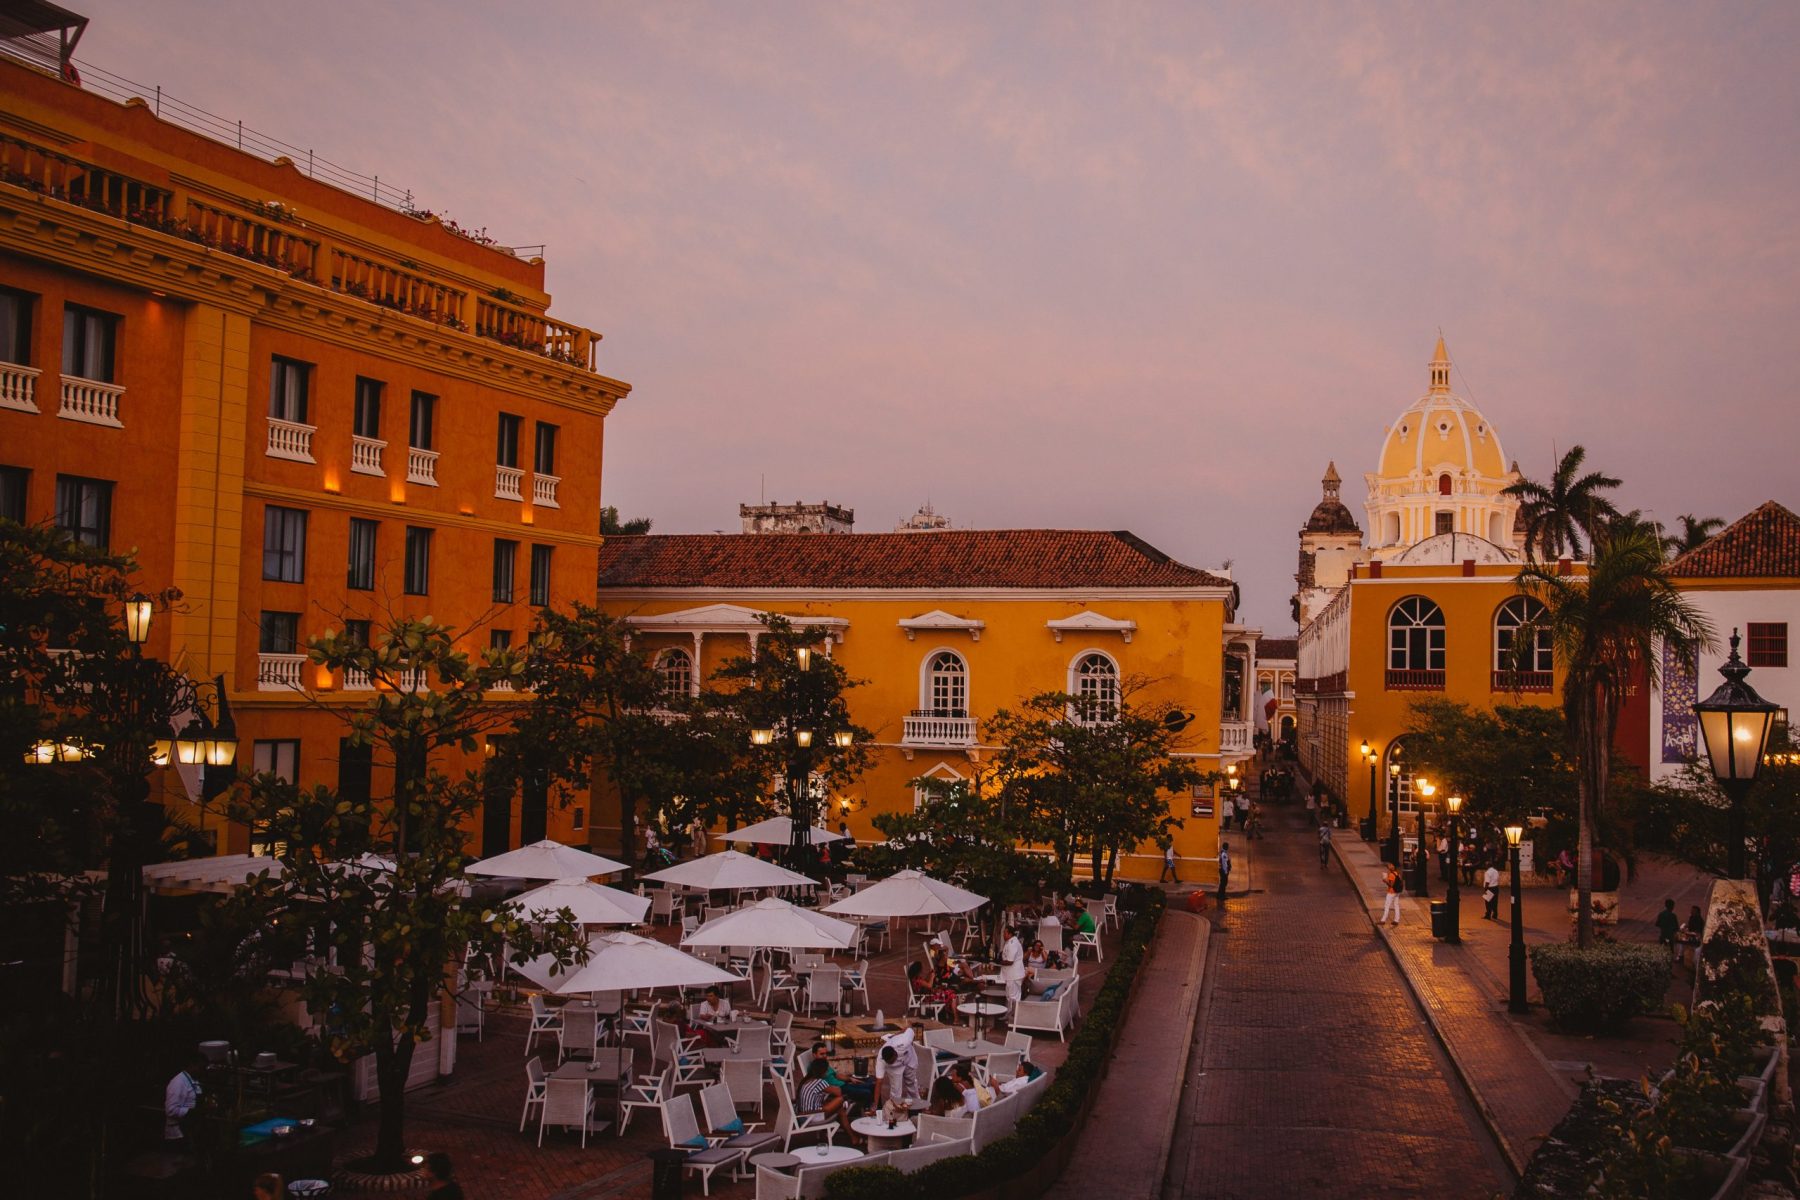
[1012, 964]
[179, 1099]
[1490, 893]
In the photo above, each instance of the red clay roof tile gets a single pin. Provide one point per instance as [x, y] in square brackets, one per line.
[1764, 544]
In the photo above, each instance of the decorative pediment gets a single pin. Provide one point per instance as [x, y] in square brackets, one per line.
[1091, 622]
[728, 618]
[939, 621]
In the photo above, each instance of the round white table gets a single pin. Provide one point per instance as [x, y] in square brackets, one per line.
[979, 1013]
[880, 1136]
[808, 1156]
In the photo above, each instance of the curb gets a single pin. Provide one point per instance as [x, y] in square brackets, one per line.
[1185, 1012]
[1513, 1157]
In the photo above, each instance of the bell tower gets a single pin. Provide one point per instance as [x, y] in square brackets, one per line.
[1329, 544]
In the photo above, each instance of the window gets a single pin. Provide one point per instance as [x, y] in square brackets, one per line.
[1416, 636]
[544, 462]
[1444, 488]
[499, 639]
[284, 544]
[15, 326]
[279, 633]
[356, 632]
[13, 481]
[367, 421]
[1768, 643]
[540, 574]
[356, 770]
[84, 509]
[676, 670]
[506, 562]
[88, 339]
[1096, 688]
[282, 760]
[418, 561]
[361, 575]
[946, 685]
[1446, 522]
[1521, 610]
[506, 449]
[287, 389]
[424, 408]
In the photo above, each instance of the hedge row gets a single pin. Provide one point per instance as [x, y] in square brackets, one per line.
[1050, 1120]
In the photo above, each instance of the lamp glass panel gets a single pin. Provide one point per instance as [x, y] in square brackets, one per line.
[1514, 834]
[802, 657]
[803, 738]
[843, 738]
[138, 611]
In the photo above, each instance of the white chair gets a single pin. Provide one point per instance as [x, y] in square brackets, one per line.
[825, 987]
[688, 925]
[662, 906]
[569, 1103]
[702, 1154]
[998, 1067]
[534, 1090]
[790, 1124]
[924, 1006]
[781, 1034]
[653, 1092]
[744, 1076]
[668, 1046]
[471, 1007]
[543, 1021]
[580, 1032]
[1055, 1015]
[722, 1121]
[1021, 1042]
[776, 1185]
[784, 983]
[1109, 909]
[755, 1042]
[1089, 941]
[1051, 934]
[856, 981]
[880, 932]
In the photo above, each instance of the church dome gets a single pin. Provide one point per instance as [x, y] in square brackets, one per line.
[1330, 515]
[1439, 434]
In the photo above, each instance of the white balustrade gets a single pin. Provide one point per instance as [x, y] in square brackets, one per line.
[290, 440]
[414, 680]
[543, 490]
[1234, 735]
[507, 483]
[365, 455]
[421, 466]
[279, 672]
[18, 387]
[357, 680]
[923, 729]
[91, 401]
[501, 685]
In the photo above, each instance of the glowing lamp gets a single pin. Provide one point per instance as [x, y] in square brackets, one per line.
[843, 738]
[1514, 834]
[138, 611]
[1735, 723]
[803, 738]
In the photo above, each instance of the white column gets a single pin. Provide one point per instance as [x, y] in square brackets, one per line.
[694, 675]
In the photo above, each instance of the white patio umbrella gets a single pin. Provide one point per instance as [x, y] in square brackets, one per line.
[591, 903]
[907, 894]
[544, 860]
[622, 961]
[729, 869]
[774, 924]
[778, 831]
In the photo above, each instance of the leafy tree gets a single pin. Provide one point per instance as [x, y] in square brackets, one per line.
[1556, 513]
[1695, 531]
[611, 525]
[1687, 816]
[1091, 777]
[1507, 762]
[1605, 628]
[372, 883]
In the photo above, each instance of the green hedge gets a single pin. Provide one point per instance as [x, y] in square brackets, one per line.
[1039, 1130]
[1598, 989]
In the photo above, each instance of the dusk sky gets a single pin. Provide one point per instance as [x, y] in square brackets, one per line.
[1103, 266]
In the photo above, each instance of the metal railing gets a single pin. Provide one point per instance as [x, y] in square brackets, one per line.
[1414, 681]
[1524, 681]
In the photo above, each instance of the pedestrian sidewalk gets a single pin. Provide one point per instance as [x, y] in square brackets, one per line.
[1123, 1149]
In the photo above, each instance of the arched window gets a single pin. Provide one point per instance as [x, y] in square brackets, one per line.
[946, 690]
[1096, 689]
[1522, 610]
[676, 669]
[1444, 484]
[1416, 636]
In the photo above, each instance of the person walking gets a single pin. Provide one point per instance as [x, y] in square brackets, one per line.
[1243, 808]
[1391, 906]
[1168, 871]
[1224, 870]
[1324, 844]
[1312, 807]
[1668, 927]
[1490, 892]
[1443, 856]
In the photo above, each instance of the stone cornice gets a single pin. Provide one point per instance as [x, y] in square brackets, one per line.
[312, 498]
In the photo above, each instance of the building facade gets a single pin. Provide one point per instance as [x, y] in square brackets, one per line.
[303, 409]
[948, 627]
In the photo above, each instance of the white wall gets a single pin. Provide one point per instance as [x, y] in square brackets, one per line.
[1727, 610]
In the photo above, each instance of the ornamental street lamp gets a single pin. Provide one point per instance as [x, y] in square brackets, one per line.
[1515, 954]
[1373, 758]
[1393, 846]
[1422, 859]
[1735, 723]
[1452, 894]
[802, 714]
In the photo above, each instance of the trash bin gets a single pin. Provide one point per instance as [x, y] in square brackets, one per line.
[665, 1174]
[1440, 919]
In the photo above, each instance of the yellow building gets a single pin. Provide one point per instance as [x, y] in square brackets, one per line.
[947, 627]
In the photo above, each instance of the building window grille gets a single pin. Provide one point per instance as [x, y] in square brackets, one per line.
[1416, 636]
[676, 670]
[1768, 643]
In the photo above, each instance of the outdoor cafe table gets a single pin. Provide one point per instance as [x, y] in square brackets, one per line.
[880, 1136]
[978, 1014]
[611, 1063]
[809, 1156]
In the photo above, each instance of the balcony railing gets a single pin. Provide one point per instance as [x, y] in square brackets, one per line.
[421, 466]
[929, 729]
[1234, 737]
[264, 240]
[1524, 681]
[91, 401]
[524, 329]
[18, 387]
[393, 286]
[507, 483]
[50, 173]
[279, 672]
[543, 490]
[365, 455]
[501, 685]
[290, 440]
[357, 680]
[415, 680]
[1415, 681]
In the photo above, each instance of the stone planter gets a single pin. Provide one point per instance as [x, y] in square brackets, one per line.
[1718, 1176]
[1750, 1122]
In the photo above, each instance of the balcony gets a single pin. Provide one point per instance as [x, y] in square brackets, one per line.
[925, 728]
[365, 455]
[1415, 681]
[421, 466]
[18, 387]
[1524, 681]
[543, 490]
[91, 401]
[507, 483]
[290, 440]
[1234, 737]
[415, 680]
[279, 672]
[357, 680]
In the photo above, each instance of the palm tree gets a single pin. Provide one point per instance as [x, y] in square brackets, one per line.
[1605, 628]
[1694, 533]
[1570, 502]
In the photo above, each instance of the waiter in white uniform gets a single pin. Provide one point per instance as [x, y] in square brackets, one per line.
[1012, 965]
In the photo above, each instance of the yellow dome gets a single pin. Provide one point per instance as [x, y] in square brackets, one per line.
[1440, 433]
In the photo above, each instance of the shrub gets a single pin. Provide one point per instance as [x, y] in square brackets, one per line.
[1598, 989]
[869, 1183]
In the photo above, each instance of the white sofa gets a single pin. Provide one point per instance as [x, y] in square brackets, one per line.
[1050, 1016]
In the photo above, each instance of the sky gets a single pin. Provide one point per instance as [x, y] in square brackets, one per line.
[1119, 266]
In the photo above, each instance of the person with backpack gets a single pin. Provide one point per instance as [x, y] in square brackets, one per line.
[1395, 886]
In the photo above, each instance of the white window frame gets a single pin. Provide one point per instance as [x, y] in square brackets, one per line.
[1077, 678]
[943, 771]
[930, 677]
[1436, 642]
[677, 682]
[1511, 614]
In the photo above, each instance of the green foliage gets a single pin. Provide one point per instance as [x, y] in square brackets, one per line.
[1686, 815]
[1507, 762]
[612, 526]
[869, 1183]
[1555, 513]
[1598, 988]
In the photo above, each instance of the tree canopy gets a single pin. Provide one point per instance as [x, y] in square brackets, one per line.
[1556, 513]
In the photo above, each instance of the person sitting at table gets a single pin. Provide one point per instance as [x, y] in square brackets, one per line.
[976, 1096]
[1084, 920]
[946, 1098]
[1024, 1075]
[950, 972]
[1037, 958]
[926, 985]
[716, 1007]
[677, 1015]
[857, 1089]
[817, 1095]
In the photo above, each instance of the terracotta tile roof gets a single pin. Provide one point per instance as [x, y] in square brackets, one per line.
[1277, 648]
[1764, 544]
[950, 558]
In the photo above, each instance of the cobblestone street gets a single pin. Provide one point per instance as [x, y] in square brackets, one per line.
[1312, 1072]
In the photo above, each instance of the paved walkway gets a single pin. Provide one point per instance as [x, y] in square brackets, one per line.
[1313, 1073]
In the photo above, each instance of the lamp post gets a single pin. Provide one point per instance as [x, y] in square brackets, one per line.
[1422, 858]
[1515, 954]
[1734, 723]
[804, 711]
[1373, 758]
[1452, 893]
[1393, 846]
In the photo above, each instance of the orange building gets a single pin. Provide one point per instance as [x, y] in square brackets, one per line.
[299, 406]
